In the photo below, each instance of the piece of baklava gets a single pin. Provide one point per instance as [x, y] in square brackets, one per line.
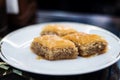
[88, 44]
[57, 29]
[53, 47]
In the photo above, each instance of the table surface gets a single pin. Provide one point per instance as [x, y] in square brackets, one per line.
[110, 23]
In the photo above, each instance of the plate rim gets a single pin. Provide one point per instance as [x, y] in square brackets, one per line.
[78, 73]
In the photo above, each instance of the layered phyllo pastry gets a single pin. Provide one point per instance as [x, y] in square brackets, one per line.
[57, 29]
[52, 47]
[88, 44]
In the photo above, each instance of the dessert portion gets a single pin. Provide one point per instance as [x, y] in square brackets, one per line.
[58, 41]
[88, 44]
[52, 47]
[57, 29]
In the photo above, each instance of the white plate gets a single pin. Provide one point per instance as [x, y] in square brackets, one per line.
[15, 50]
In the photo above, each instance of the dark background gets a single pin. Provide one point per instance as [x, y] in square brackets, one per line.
[110, 7]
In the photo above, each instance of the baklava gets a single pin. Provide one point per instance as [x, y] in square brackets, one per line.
[52, 47]
[88, 44]
[57, 29]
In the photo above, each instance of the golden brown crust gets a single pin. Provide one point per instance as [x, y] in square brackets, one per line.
[83, 38]
[52, 47]
[57, 29]
[53, 41]
[88, 44]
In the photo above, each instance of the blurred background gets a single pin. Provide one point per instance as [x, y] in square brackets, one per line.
[15, 14]
[109, 7]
